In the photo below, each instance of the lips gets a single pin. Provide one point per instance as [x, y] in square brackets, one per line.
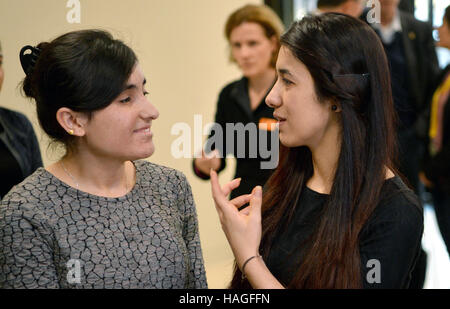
[143, 130]
[279, 118]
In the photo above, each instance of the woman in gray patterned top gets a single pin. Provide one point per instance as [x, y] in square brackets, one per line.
[99, 217]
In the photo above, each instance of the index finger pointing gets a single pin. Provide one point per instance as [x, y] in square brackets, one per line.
[217, 193]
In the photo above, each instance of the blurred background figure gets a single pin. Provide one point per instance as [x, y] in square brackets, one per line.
[253, 33]
[436, 174]
[350, 7]
[411, 53]
[19, 149]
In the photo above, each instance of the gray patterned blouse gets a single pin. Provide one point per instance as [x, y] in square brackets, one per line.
[54, 236]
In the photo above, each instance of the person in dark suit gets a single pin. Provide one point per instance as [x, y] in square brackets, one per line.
[407, 6]
[410, 49]
[436, 171]
[411, 53]
[20, 155]
[350, 7]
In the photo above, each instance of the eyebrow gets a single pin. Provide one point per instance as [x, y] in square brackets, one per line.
[133, 86]
[285, 72]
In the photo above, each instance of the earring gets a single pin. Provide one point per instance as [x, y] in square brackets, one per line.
[71, 132]
[334, 108]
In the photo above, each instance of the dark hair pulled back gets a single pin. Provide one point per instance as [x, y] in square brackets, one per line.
[81, 70]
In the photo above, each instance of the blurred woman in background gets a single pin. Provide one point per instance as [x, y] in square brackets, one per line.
[253, 33]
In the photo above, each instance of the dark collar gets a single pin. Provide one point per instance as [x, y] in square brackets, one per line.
[240, 94]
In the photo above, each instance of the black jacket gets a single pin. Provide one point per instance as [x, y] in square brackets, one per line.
[422, 63]
[19, 137]
[233, 107]
[420, 52]
[437, 168]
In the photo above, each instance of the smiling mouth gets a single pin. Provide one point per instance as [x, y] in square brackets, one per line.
[145, 130]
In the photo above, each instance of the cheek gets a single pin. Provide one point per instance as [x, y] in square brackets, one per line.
[307, 122]
[110, 132]
[265, 53]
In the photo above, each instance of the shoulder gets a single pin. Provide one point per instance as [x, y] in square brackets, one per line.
[399, 208]
[233, 86]
[13, 116]
[27, 199]
[161, 176]
[412, 22]
[30, 189]
[165, 183]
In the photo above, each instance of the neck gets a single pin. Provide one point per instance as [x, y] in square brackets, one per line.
[325, 158]
[263, 81]
[98, 175]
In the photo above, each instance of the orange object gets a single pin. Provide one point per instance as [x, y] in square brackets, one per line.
[267, 124]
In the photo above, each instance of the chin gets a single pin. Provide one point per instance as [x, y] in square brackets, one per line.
[148, 153]
[290, 143]
[143, 153]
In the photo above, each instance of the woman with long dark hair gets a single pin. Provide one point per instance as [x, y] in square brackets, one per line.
[334, 214]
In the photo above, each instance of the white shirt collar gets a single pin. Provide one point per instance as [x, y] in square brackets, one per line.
[387, 32]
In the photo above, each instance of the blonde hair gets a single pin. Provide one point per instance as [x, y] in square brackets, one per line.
[262, 15]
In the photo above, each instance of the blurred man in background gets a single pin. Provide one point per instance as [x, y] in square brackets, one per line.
[411, 53]
[350, 7]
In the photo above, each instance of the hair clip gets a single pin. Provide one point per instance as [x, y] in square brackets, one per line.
[28, 60]
[364, 75]
[353, 84]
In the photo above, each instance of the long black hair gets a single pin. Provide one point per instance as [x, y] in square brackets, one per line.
[348, 64]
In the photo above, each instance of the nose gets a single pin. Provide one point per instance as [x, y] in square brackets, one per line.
[149, 111]
[245, 51]
[242, 52]
[273, 99]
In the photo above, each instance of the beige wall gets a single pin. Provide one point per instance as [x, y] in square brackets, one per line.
[183, 53]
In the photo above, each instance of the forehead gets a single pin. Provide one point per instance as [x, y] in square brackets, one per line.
[137, 76]
[287, 61]
[247, 30]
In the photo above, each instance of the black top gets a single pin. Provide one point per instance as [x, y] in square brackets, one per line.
[392, 235]
[422, 66]
[234, 108]
[9, 169]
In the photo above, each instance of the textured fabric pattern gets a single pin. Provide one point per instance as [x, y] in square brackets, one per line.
[54, 236]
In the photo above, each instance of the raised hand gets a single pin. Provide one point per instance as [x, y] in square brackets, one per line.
[242, 228]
